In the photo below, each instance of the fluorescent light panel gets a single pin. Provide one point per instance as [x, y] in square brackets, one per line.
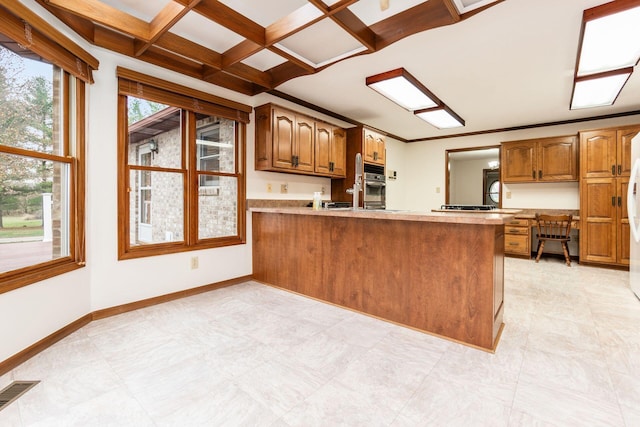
[610, 42]
[403, 89]
[599, 90]
[441, 117]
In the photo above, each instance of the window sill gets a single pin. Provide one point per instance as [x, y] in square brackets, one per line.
[27, 276]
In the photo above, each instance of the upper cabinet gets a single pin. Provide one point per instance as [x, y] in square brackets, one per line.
[540, 160]
[607, 152]
[287, 141]
[374, 147]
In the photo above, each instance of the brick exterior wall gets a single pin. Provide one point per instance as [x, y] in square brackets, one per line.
[217, 205]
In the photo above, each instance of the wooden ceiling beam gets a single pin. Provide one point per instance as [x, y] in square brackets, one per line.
[250, 74]
[425, 16]
[296, 21]
[220, 78]
[164, 20]
[296, 61]
[106, 15]
[354, 26]
[287, 71]
[175, 43]
[229, 18]
[241, 51]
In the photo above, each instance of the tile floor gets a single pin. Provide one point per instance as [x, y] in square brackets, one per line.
[254, 355]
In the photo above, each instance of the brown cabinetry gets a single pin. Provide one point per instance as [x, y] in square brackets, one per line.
[371, 145]
[540, 160]
[331, 145]
[374, 147]
[517, 238]
[287, 141]
[605, 157]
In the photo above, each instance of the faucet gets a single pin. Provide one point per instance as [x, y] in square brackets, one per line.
[357, 185]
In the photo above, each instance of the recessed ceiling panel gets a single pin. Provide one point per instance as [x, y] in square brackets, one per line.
[465, 6]
[264, 60]
[369, 11]
[145, 10]
[198, 29]
[321, 44]
[264, 13]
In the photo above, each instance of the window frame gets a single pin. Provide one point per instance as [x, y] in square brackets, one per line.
[74, 158]
[190, 102]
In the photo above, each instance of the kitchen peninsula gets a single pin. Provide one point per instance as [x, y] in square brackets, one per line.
[442, 273]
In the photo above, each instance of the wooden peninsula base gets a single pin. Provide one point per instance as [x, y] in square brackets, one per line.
[439, 273]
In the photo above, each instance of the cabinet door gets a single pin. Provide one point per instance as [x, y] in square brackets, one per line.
[369, 147]
[380, 150]
[305, 129]
[557, 159]
[624, 232]
[623, 151]
[323, 148]
[518, 161]
[339, 152]
[283, 139]
[598, 220]
[598, 154]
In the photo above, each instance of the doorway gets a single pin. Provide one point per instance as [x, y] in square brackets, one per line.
[466, 181]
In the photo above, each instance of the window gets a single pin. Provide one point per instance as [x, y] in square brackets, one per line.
[42, 134]
[181, 154]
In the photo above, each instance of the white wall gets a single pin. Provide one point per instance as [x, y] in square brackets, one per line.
[424, 188]
[466, 181]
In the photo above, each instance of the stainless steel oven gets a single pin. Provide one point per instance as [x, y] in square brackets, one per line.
[375, 187]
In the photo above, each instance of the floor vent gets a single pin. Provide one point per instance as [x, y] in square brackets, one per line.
[14, 391]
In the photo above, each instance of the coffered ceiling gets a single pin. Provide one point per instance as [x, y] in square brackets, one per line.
[496, 63]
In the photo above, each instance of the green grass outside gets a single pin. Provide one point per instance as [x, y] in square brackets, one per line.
[15, 226]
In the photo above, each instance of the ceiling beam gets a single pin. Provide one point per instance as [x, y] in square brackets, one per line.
[229, 18]
[296, 21]
[164, 20]
[241, 51]
[106, 15]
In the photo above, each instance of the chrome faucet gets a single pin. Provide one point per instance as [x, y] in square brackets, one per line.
[357, 185]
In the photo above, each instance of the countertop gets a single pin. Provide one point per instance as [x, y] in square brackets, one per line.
[455, 217]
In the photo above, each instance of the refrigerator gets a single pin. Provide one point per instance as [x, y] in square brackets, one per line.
[633, 207]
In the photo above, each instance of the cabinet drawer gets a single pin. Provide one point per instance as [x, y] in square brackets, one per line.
[516, 230]
[516, 244]
[520, 222]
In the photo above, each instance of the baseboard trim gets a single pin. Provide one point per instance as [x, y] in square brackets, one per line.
[26, 354]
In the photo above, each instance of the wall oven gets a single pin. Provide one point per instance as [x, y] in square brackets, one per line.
[375, 187]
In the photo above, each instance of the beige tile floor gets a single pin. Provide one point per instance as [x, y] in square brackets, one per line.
[254, 355]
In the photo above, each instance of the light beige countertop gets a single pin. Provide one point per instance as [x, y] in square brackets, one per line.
[495, 211]
[455, 217]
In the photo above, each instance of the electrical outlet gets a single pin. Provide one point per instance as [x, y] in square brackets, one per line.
[437, 189]
[284, 188]
[269, 188]
[194, 262]
[323, 190]
[508, 194]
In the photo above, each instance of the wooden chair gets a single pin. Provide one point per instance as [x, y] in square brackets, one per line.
[554, 227]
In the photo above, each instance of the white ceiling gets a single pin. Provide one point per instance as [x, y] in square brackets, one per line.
[511, 65]
[508, 66]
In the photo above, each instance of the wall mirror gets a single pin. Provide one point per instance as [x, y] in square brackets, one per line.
[473, 176]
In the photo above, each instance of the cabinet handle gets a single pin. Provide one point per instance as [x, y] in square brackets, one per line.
[619, 169]
[330, 166]
[613, 169]
[375, 155]
[613, 201]
[540, 174]
[533, 174]
[619, 201]
[513, 244]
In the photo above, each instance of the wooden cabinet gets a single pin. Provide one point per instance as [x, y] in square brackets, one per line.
[540, 160]
[605, 164]
[331, 145]
[374, 147]
[290, 142]
[517, 238]
[367, 143]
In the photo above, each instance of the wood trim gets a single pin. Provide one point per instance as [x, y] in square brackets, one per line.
[124, 308]
[26, 354]
[21, 11]
[175, 88]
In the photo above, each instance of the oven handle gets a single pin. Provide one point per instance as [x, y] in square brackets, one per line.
[375, 184]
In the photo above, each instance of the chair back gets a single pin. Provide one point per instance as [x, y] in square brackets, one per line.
[554, 227]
